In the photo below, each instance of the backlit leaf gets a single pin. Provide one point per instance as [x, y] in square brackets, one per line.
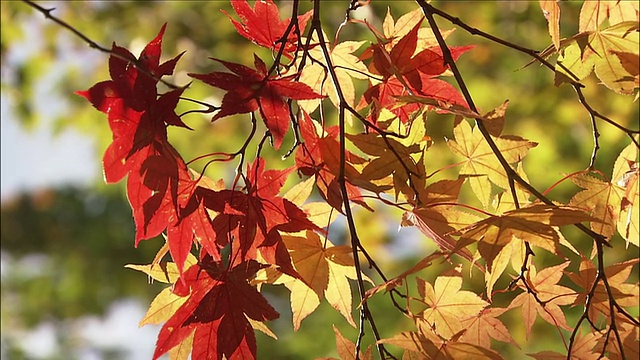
[448, 305]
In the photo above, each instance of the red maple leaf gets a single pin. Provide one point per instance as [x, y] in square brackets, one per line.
[262, 25]
[218, 308]
[319, 156]
[407, 74]
[249, 90]
[137, 115]
[159, 184]
[255, 216]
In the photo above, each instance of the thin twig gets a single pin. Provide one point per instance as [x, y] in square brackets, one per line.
[365, 313]
[47, 14]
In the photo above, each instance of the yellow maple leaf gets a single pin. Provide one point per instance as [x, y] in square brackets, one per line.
[625, 174]
[163, 306]
[481, 164]
[535, 224]
[448, 305]
[346, 66]
[546, 288]
[325, 269]
[486, 325]
[601, 199]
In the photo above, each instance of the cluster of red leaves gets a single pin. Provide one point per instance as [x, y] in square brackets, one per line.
[253, 235]
[165, 197]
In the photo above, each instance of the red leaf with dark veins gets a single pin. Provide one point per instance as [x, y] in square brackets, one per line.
[220, 301]
[318, 157]
[250, 90]
[262, 25]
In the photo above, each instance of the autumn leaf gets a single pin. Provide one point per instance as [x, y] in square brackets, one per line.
[582, 349]
[594, 13]
[262, 25]
[166, 272]
[137, 116]
[602, 46]
[249, 90]
[346, 67]
[630, 349]
[439, 223]
[325, 270]
[480, 163]
[413, 341]
[394, 30]
[255, 218]
[448, 305]
[545, 286]
[406, 71]
[486, 326]
[625, 293]
[625, 174]
[601, 199]
[389, 157]
[534, 223]
[216, 311]
[423, 348]
[319, 157]
[347, 349]
[551, 11]
[162, 308]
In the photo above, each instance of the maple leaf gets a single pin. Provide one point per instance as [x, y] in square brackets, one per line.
[394, 30]
[582, 349]
[262, 25]
[249, 90]
[601, 199]
[166, 272]
[630, 349]
[217, 309]
[448, 305]
[480, 162]
[408, 71]
[319, 157]
[594, 13]
[602, 45]
[158, 193]
[388, 157]
[418, 346]
[551, 11]
[625, 294]
[625, 174]
[347, 349]
[438, 223]
[486, 325]
[137, 117]
[325, 270]
[534, 223]
[255, 217]
[346, 67]
[545, 285]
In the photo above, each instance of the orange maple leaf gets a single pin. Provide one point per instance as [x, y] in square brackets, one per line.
[481, 163]
[549, 295]
[448, 305]
[325, 270]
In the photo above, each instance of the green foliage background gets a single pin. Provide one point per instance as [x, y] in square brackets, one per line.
[86, 235]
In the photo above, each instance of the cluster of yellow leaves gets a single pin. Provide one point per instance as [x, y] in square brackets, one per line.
[607, 42]
[455, 324]
[392, 160]
[325, 271]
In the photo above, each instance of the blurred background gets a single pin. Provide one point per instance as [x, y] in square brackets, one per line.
[65, 236]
